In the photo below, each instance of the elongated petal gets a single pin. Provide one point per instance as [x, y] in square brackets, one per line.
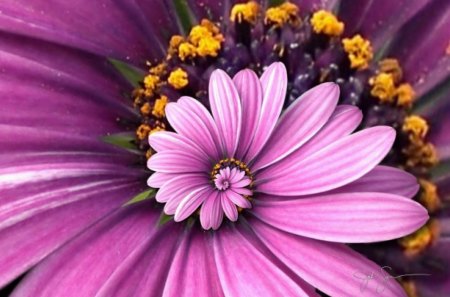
[274, 84]
[211, 213]
[331, 267]
[172, 188]
[226, 109]
[190, 119]
[299, 123]
[178, 162]
[229, 208]
[191, 202]
[157, 179]
[349, 217]
[84, 265]
[257, 274]
[251, 95]
[336, 165]
[166, 141]
[193, 271]
[384, 179]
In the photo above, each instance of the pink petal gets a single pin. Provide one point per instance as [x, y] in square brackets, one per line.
[384, 179]
[179, 184]
[193, 271]
[157, 179]
[274, 84]
[333, 268]
[333, 166]
[348, 217]
[299, 123]
[191, 120]
[226, 109]
[229, 208]
[251, 95]
[211, 214]
[345, 120]
[166, 141]
[246, 270]
[191, 202]
[238, 199]
[178, 162]
[86, 263]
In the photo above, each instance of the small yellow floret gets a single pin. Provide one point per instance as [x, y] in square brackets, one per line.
[174, 43]
[159, 107]
[178, 78]
[245, 12]
[383, 87]
[405, 95]
[415, 126]
[421, 154]
[326, 23]
[282, 14]
[198, 33]
[186, 50]
[429, 196]
[208, 47]
[418, 241]
[359, 51]
[145, 109]
[391, 66]
[150, 83]
[143, 131]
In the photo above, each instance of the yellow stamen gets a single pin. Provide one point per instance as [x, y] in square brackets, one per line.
[174, 43]
[405, 95]
[158, 69]
[209, 47]
[282, 14]
[326, 23]
[160, 127]
[429, 196]
[423, 238]
[359, 51]
[421, 154]
[159, 107]
[143, 131]
[186, 50]
[148, 153]
[178, 78]
[199, 32]
[391, 66]
[383, 87]
[145, 109]
[150, 83]
[410, 288]
[416, 127]
[245, 12]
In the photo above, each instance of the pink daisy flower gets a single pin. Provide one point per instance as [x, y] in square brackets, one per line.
[300, 183]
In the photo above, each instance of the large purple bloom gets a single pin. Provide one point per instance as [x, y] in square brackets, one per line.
[63, 189]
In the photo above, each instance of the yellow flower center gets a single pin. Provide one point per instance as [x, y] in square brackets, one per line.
[178, 78]
[391, 66]
[416, 127]
[359, 51]
[405, 95]
[418, 241]
[282, 14]
[245, 12]
[326, 23]
[429, 196]
[150, 84]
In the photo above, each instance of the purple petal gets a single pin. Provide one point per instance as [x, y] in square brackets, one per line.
[191, 202]
[192, 120]
[178, 162]
[226, 109]
[384, 179]
[229, 208]
[333, 268]
[299, 123]
[257, 274]
[173, 187]
[167, 141]
[132, 28]
[347, 217]
[274, 84]
[193, 271]
[158, 179]
[333, 166]
[95, 255]
[211, 214]
[250, 93]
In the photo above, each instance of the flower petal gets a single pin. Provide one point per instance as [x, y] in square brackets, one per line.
[251, 95]
[229, 208]
[175, 186]
[274, 84]
[226, 109]
[191, 202]
[333, 268]
[299, 123]
[384, 179]
[158, 179]
[166, 141]
[257, 274]
[333, 166]
[347, 217]
[193, 271]
[211, 213]
[178, 162]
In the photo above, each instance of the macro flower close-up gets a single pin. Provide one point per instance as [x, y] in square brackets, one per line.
[225, 148]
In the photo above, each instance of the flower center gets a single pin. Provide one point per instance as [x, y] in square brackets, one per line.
[231, 173]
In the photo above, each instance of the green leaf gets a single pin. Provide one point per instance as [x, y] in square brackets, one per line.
[123, 140]
[147, 194]
[129, 72]
[185, 15]
[164, 218]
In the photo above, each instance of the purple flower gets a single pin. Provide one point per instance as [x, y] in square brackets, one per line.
[66, 219]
